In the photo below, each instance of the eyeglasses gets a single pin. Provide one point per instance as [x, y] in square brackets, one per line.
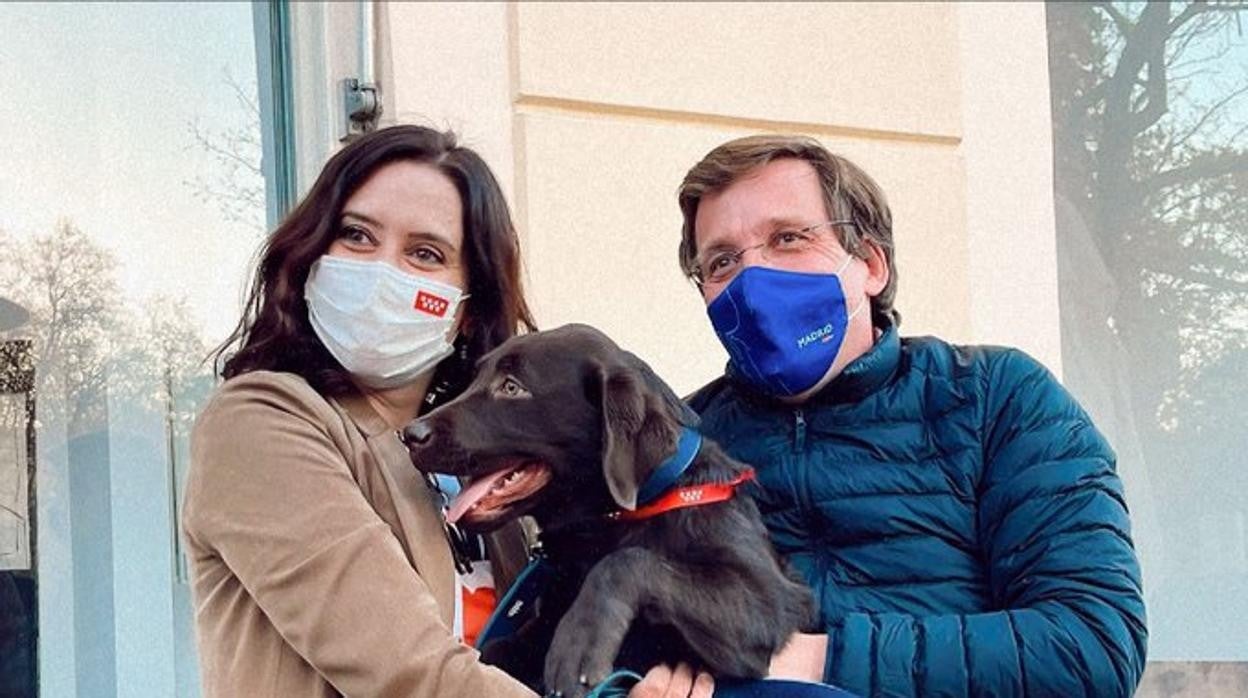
[721, 265]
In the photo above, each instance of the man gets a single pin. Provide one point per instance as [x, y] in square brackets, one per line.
[953, 508]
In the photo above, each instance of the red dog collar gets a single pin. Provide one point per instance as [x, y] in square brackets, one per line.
[681, 497]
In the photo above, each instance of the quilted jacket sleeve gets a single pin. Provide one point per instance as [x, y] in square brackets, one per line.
[1055, 539]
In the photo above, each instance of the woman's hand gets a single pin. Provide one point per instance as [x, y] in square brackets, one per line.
[803, 658]
[665, 682]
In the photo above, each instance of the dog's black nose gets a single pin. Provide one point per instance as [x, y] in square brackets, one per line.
[417, 432]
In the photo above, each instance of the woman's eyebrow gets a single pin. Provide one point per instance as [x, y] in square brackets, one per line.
[360, 217]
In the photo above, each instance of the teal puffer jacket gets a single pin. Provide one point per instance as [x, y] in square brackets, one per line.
[958, 517]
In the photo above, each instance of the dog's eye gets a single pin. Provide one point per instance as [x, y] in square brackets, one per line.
[510, 388]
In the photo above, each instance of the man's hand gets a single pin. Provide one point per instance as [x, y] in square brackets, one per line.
[664, 682]
[803, 658]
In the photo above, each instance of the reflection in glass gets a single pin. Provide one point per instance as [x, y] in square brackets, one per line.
[1150, 109]
[131, 201]
[19, 613]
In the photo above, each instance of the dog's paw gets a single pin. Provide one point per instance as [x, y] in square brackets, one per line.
[578, 659]
[574, 675]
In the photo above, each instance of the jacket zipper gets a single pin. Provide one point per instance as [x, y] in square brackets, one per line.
[799, 430]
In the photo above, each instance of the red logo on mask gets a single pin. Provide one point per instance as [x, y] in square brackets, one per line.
[431, 304]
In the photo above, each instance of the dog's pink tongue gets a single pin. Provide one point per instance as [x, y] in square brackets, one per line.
[473, 494]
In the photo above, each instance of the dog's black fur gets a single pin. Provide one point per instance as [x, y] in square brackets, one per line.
[702, 584]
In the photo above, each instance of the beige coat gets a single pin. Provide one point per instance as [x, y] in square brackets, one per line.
[319, 565]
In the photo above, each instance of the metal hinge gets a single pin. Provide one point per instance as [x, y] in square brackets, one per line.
[361, 108]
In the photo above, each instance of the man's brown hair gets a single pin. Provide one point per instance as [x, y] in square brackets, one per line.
[848, 193]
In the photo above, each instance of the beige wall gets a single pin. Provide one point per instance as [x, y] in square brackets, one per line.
[447, 65]
[1007, 150]
[591, 114]
[325, 49]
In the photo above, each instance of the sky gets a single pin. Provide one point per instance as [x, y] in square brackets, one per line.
[97, 103]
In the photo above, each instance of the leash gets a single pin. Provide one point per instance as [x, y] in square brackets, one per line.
[616, 685]
[518, 604]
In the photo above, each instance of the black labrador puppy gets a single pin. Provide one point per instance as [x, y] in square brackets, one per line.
[565, 426]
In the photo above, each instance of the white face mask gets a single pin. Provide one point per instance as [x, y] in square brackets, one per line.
[384, 326]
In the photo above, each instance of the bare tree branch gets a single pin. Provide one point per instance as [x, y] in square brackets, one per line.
[1210, 113]
[1193, 9]
[1146, 35]
[244, 96]
[1207, 167]
[1091, 96]
[1156, 89]
[222, 153]
[1179, 203]
[236, 185]
[1200, 278]
[1120, 20]
[1234, 138]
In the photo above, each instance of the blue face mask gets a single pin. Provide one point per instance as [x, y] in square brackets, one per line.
[782, 329]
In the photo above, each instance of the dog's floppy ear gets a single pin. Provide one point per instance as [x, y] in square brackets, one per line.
[640, 427]
[682, 413]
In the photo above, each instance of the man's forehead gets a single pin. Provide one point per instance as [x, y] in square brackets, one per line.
[784, 169]
[779, 175]
[776, 194]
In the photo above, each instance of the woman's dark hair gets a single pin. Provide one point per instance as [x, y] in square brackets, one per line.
[274, 333]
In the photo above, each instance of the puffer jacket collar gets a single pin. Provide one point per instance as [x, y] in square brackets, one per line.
[860, 379]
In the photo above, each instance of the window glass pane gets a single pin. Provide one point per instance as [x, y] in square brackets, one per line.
[131, 201]
[1150, 106]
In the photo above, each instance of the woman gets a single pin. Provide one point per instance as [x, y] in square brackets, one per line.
[319, 555]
